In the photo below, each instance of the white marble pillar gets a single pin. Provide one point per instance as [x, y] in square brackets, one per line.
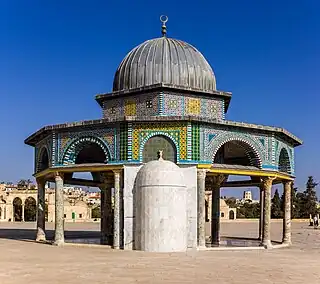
[261, 213]
[59, 210]
[116, 217]
[266, 235]
[22, 214]
[286, 239]
[201, 179]
[41, 233]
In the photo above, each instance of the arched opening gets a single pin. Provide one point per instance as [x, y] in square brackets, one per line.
[284, 162]
[44, 160]
[30, 209]
[231, 215]
[156, 143]
[89, 152]
[237, 153]
[17, 209]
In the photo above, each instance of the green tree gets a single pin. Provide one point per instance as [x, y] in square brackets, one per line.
[248, 210]
[95, 213]
[276, 211]
[308, 202]
[231, 202]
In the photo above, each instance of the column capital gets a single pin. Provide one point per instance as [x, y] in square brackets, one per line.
[41, 181]
[58, 175]
[219, 179]
[201, 173]
[266, 182]
[287, 183]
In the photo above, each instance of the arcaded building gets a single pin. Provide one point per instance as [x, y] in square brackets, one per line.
[164, 97]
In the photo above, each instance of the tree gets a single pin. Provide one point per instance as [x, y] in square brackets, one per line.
[276, 211]
[248, 210]
[309, 199]
[231, 202]
[95, 213]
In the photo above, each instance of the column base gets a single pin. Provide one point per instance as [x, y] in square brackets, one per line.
[266, 244]
[287, 242]
[41, 238]
[58, 243]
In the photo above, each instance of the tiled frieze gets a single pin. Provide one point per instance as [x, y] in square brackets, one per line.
[164, 104]
[47, 144]
[103, 137]
[176, 131]
[212, 138]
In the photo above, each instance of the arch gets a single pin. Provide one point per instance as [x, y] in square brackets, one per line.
[17, 209]
[43, 159]
[30, 209]
[84, 145]
[231, 215]
[155, 142]
[249, 150]
[284, 161]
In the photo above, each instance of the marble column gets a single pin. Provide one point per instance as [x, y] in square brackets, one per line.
[266, 183]
[116, 217]
[261, 213]
[22, 214]
[106, 209]
[41, 233]
[59, 210]
[286, 239]
[217, 182]
[201, 180]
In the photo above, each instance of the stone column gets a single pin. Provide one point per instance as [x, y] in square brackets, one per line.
[41, 235]
[261, 213]
[201, 180]
[286, 239]
[106, 209]
[59, 210]
[22, 214]
[217, 181]
[266, 233]
[116, 217]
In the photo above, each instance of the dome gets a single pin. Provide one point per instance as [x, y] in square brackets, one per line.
[164, 61]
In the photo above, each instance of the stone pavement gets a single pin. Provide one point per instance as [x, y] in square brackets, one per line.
[23, 261]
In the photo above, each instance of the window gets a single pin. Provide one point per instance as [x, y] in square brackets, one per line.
[65, 215]
[80, 215]
[149, 104]
[222, 214]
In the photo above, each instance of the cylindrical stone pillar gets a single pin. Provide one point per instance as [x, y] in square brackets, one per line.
[286, 239]
[116, 217]
[41, 235]
[59, 211]
[103, 237]
[201, 179]
[267, 185]
[261, 213]
[215, 215]
[22, 217]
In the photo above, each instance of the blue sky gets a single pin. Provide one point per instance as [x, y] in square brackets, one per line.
[56, 55]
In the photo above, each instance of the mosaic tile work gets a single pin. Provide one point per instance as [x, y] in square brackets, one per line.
[164, 104]
[212, 138]
[123, 142]
[65, 140]
[47, 144]
[175, 131]
[178, 105]
[195, 141]
[141, 106]
[281, 145]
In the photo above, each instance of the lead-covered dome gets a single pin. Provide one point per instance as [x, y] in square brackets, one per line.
[164, 61]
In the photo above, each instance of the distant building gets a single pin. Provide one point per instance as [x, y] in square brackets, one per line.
[18, 204]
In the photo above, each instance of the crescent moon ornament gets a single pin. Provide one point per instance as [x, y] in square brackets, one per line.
[164, 19]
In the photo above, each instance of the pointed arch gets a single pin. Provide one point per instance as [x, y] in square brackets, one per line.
[43, 160]
[87, 149]
[238, 148]
[284, 164]
[164, 140]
